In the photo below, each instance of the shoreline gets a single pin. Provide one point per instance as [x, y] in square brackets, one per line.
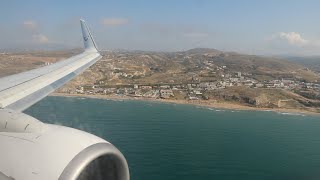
[199, 103]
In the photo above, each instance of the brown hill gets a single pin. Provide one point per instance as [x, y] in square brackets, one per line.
[141, 67]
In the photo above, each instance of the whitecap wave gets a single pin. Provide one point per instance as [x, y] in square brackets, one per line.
[291, 114]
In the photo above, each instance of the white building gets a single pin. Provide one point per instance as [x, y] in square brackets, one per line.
[166, 93]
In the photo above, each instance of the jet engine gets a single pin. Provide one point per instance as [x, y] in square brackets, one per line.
[32, 150]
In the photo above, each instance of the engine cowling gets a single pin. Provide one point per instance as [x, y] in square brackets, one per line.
[32, 150]
[100, 161]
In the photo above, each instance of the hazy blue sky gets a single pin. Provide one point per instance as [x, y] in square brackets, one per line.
[255, 27]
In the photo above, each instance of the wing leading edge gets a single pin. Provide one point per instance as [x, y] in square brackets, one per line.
[20, 91]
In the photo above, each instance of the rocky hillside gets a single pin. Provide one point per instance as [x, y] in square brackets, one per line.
[182, 67]
[138, 67]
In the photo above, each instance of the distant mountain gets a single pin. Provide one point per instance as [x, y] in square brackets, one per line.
[312, 62]
[145, 67]
[202, 51]
[262, 68]
[163, 67]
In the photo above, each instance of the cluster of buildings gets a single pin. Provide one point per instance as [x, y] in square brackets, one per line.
[195, 90]
[290, 84]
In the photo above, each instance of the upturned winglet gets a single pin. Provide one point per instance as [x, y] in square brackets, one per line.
[89, 43]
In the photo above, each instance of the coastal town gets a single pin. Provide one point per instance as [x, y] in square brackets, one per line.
[196, 76]
[194, 90]
[201, 76]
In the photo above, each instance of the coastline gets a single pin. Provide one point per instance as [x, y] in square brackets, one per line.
[199, 103]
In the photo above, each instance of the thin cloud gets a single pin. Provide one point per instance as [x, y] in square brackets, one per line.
[292, 43]
[292, 38]
[40, 38]
[114, 21]
[30, 24]
[196, 35]
[36, 36]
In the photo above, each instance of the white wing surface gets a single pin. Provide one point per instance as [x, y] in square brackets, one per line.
[20, 91]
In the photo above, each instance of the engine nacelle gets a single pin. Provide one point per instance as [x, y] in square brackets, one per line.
[97, 162]
[32, 150]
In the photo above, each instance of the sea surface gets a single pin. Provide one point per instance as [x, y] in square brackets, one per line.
[184, 142]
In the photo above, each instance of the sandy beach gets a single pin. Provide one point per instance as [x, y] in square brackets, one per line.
[202, 103]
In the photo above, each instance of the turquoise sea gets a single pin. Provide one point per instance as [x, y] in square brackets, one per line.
[183, 142]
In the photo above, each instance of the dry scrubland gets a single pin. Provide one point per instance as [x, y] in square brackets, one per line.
[206, 76]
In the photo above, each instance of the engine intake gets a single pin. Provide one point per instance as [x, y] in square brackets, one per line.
[100, 161]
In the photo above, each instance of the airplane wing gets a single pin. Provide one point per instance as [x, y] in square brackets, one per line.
[33, 150]
[20, 91]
